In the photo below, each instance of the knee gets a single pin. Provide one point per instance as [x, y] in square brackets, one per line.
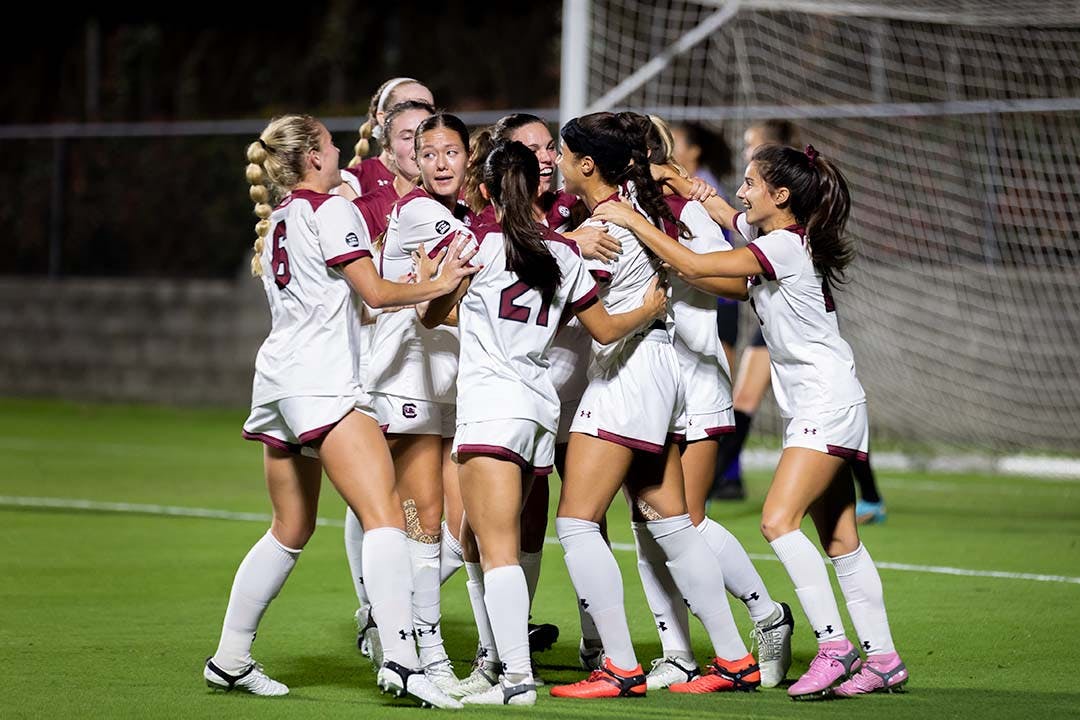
[775, 523]
[294, 534]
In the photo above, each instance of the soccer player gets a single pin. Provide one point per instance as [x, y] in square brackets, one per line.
[568, 358]
[622, 436]
[400, 123]
[364, 174]
[754, 377]
[508, 410]
[708, 418]
[413, 370]
[308, 406]
[796, 205]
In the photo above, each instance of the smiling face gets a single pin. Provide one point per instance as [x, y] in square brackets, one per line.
[759, 200]
[441, 156]
[401, 145]
[575, 170]
[537, 138]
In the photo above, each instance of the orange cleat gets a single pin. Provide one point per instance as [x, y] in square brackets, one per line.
[722, 676]
[606, 682]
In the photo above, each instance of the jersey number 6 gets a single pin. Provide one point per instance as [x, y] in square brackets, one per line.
[509, 310]
[279, 258]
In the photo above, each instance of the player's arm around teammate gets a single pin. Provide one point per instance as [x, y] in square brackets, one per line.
[306, 398]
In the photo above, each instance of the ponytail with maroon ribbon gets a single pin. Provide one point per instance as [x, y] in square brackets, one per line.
[811, 154]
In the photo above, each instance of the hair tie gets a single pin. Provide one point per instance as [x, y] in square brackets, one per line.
[811, 154]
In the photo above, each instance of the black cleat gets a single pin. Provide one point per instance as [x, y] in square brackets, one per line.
[542, 637]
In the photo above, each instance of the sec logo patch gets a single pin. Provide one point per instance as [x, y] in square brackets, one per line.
[442, 227]
[352, 241]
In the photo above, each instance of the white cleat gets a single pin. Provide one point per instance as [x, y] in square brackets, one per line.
[363, 619]
[368, 638]
[401, 681]
[484, 675]
[667, 671]
[441, 672]
[250, 680]
[772, 638]
[590, 656]
[503, 693]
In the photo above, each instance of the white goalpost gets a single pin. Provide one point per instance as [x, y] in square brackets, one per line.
[958, 127]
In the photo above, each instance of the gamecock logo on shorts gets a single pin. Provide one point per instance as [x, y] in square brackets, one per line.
[408, 410]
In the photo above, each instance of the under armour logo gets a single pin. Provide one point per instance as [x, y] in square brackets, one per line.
[662, 626]
[404, 635]
[827, 631]
[687, 602]
[483, 653]
[751, 596]
[584, 604]
[809, 431]
[585, 414]
[866, 644]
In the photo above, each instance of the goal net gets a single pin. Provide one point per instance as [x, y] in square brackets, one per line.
[958, 127]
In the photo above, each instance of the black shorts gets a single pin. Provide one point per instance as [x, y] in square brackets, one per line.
[727, 320]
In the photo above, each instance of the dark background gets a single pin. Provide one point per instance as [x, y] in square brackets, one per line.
[178, 206]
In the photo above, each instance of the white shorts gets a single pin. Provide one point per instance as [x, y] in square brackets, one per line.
[405, 416]
[638, 402]
[702, 426]
[567, 411]
[295, 424]
[844, 433]
[523, 442]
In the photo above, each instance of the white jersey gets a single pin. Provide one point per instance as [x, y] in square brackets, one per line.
[314, 320]
[407, 359]
[813, 368]
[506, 331]
[706, 375]
[624, 281]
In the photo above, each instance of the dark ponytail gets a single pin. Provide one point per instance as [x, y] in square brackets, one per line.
[649, 194]
[616, 143]
[512, 177]
[819, 200]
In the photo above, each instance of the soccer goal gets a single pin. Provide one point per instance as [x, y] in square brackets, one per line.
[958, 127]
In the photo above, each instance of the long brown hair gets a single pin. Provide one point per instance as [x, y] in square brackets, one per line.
[819, 200]
[512, 177]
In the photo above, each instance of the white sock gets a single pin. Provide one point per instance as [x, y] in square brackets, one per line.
[475, 586]
[507, 598]
[530, 565]
[741, 578]
[700, 580]
[807, 571]
[386, 554]
[450, 557]
[354, 551]
[599, 586]
[426, 609]
[665, 600]
[861, 585]
[258, 580]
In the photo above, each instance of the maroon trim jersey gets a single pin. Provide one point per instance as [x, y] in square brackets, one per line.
[314, 332]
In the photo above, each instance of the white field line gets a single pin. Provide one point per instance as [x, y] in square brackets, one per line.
[179, 511]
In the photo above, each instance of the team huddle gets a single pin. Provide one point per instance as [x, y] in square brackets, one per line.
[448, 328]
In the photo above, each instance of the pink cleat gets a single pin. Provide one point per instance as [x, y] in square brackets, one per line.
[880, 673]
[836, 660]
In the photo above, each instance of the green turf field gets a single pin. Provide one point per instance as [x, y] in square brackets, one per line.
[111, 614]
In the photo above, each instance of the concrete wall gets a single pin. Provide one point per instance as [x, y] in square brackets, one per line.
[158, 341]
